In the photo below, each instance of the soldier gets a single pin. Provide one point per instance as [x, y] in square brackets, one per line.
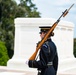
[48, 57]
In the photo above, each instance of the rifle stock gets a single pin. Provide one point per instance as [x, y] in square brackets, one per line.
[48, 33]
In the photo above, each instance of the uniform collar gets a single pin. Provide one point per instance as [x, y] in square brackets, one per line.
[49, 39]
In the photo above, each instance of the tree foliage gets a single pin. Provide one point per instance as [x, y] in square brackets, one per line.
[8, 12]
[3, 54]
[75, 47]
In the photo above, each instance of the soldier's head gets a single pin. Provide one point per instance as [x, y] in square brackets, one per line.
[44, 30]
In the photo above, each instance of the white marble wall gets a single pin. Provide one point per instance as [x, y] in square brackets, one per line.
[27, 35]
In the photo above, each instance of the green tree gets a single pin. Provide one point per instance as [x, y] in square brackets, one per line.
[11, 10]
[3, 54]
[29, 7]
[75, 47]
[7, 25]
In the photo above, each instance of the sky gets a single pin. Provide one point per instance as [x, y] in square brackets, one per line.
[54, 8]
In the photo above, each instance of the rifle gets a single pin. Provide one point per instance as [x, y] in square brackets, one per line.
[48, 33]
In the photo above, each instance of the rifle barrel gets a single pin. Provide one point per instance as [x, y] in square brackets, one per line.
[71, 7]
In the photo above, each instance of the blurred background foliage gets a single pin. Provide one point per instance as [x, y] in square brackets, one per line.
[74, 47]
[3, 54]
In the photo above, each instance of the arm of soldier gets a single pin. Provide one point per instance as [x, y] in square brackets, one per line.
[40, 63]
[55, 62]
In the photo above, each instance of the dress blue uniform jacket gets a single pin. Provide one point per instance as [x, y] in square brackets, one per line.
[46, 57]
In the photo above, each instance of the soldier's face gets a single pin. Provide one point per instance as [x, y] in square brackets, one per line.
[42, 35]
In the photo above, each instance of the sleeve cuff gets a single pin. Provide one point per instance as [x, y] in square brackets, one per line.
[30, 63]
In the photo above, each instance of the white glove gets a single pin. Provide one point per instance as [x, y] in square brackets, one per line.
[26, 62]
